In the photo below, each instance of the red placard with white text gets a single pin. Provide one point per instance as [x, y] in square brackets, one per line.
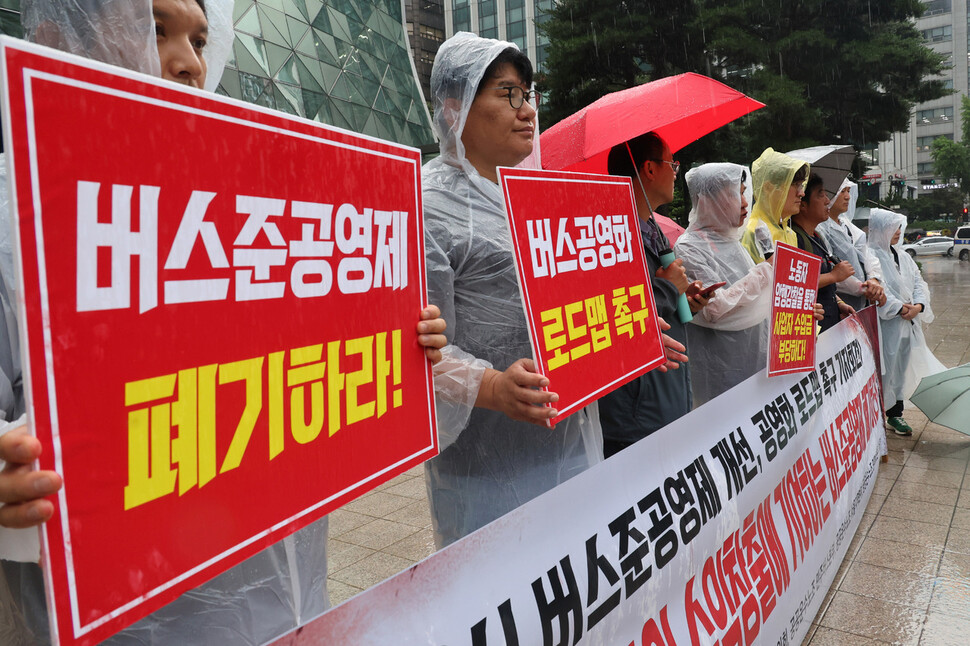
[794, 293]
[584, 281]
[218, 311]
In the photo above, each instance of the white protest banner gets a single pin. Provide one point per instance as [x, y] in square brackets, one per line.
[726, 527]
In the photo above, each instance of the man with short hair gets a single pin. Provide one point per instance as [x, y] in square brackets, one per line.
[655, 399]
[812, 212]
[496, 450]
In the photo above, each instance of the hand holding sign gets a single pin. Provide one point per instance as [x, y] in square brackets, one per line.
[517, 393]
[23, 491]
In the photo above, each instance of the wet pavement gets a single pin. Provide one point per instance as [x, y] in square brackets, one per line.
[905, 578]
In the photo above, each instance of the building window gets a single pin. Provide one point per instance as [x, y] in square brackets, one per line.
[462, 17]
[938, 34]
[925, 144]
[924, 168]
[936, 7]
[935, 115]
[431, 32]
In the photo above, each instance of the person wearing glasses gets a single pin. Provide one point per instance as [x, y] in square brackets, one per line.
[655, 399]
[813, 211]
[496, 450]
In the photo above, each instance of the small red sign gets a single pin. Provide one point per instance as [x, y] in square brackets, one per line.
[220, 305]
[792, 308]
[584, 281]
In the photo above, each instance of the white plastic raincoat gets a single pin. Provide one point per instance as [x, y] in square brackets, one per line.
[848, 242]
[772, 175]
[489, 464]
[267, 594]
[905, 357]
[728, 339]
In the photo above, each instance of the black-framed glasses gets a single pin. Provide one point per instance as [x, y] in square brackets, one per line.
[673, 164]
[517, 96]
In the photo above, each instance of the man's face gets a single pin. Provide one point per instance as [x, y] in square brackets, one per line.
[658, 178]
[896, 236]
[495, 133]
[793, 202]
[816, 207]
[181, 31]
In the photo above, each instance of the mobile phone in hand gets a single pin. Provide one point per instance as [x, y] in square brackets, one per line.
[710, 289]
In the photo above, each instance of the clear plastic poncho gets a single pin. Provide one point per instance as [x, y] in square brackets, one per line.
[269, 593]
[489, 464]
[728, 339]
[848, 242]
[905, 356]
[772, 175]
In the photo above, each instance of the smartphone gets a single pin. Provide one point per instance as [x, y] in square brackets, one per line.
[707, 291]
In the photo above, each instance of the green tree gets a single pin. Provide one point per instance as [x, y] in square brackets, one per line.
[951, 159]
[829, 71]
[598, 47]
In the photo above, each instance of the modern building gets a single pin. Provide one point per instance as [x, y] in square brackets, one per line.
[345, 63]
[905, 158]
[425, 21]
[512, 20]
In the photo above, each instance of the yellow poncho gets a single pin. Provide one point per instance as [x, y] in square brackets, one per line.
[771, 177]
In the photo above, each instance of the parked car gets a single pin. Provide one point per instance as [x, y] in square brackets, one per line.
[961, 243]
[930, 245]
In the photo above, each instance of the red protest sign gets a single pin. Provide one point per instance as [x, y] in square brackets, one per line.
[584, 281]
[219, 309]
[793, 304]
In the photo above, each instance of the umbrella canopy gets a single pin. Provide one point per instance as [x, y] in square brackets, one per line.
[681, 109]
[945, 398]
[832, 163]
[670, 228]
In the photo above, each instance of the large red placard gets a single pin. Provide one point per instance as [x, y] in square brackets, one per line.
[587, 295]
[218, 311]
[792, 306]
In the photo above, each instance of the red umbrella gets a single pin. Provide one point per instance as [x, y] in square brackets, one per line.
[681, 109]
[671, 229]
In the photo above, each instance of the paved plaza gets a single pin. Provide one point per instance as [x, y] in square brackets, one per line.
[905, 579]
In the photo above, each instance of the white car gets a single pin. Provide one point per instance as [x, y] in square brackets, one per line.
[930, 245]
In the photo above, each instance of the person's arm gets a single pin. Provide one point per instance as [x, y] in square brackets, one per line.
[464, 381]
[840, 272]
[743, 304]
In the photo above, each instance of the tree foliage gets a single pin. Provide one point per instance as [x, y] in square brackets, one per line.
[829, 71]
[951, 160]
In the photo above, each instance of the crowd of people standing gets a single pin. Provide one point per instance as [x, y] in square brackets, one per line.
[496, 450]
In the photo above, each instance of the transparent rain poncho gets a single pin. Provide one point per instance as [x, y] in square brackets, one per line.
[847, 242]
[267, 594]
[772, 175]
[489, 464]
[905, 356]
[728, 339]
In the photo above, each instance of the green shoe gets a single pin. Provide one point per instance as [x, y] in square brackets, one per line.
[899, 426]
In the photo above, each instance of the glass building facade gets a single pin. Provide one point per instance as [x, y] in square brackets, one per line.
[518, 21]
[341, 62]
